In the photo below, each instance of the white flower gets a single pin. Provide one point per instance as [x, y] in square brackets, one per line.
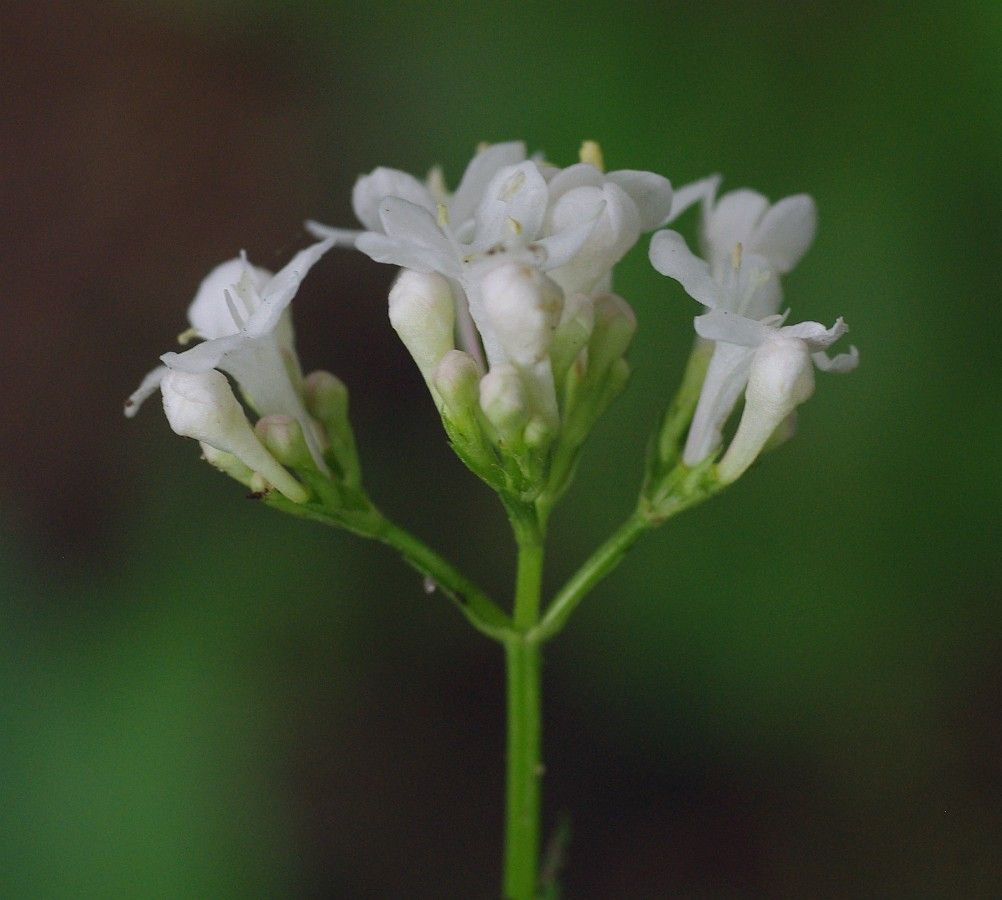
[574, 224]
[242, 314]
[202, 406]
[744, 290]
[780, 234]
[746, 287]
[779, 364]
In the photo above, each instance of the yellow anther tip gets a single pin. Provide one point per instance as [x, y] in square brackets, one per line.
[591, 153]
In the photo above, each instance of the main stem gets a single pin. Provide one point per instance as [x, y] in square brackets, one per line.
[524, 771]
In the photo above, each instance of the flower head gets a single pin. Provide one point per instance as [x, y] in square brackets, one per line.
[508, 270]
[242, 314]
[748, 245]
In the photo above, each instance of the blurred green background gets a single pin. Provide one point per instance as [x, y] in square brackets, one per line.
[792, 691]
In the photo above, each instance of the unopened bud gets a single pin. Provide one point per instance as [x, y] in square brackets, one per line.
[326, 397]
[523, 306]
[572, 333]
[283, 437]
[202, 406]
[780, 379]
[423, 313]
[502, 398]
[615, 325]
[538, 433]
[456, 378]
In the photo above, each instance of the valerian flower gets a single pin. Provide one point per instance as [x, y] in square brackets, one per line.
[781, 361]
[241, 313]
[780, 233]
[747, 245]
[746, 287]
[523, 248]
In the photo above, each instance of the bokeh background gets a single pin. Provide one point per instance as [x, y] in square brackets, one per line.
[792, 691]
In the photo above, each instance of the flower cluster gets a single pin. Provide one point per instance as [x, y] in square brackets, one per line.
[505, 302]
[241, 314]
[748, 245]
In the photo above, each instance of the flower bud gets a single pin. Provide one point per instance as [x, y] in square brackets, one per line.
[780, 379]
[202, 406]
[502, 398]
[283, 437]
[615, 325]
[456, 378]
[326, 397]
[573, 332]
[538, 433]
[423, 313]
[523, 306]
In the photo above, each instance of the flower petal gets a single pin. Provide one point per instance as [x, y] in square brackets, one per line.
[720, 325]
[670, 255]
[560, 248]
[279, 291]
[343, 237]
[843, 362]
[209, 313]
[616, 230]
[726, 378]
[652, 194]
[688, 194]
[395, 252]
[406, 221]
[515, 198]
[482, 168]
[148, 386]
[814, 334]
[370, 191]
[730, 221]
[578, 175]
[203, 357]
[786, 231]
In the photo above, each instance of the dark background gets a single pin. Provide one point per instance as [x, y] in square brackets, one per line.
[789, 692]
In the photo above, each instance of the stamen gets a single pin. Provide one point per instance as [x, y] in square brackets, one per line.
[232, 307]
[736, 257]
[514, 226]
[443, 215]
[187, 336]
[591, 153]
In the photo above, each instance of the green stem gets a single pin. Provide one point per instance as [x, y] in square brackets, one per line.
[524, 769]
[471, 601]
[521, 873]
[474, 603]
[598, 565]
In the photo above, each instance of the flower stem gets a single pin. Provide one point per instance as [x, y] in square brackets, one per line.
[597, 566]
[522, 658]
[524, 769]
[472, 602]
